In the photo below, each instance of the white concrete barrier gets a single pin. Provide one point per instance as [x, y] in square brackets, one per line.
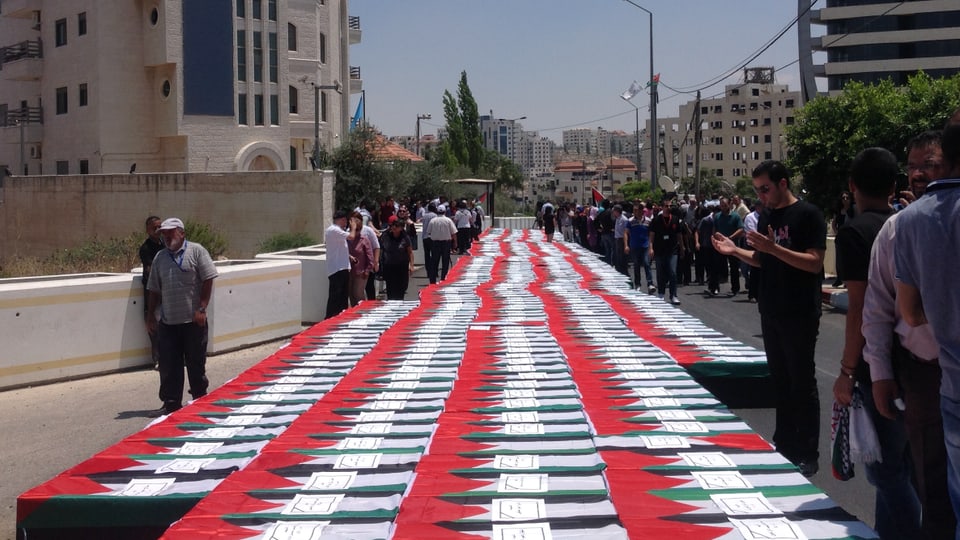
[59, 327]
[314, 284]
[515, 222]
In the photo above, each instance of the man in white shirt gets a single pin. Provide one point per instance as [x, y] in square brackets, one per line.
[443, 235]
[338, 260]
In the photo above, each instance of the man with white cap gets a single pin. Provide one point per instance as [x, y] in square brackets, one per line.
[180, 283]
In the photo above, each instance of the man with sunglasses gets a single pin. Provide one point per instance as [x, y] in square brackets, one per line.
[789, 246]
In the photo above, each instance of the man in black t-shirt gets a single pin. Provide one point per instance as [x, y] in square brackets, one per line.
[148, 250]
[667, 235]
[789, 246]
[873, 175]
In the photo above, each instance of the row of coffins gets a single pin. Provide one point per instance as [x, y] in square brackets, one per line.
[517, 400]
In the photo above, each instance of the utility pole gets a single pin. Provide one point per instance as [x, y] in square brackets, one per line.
[697, 135]
[420, 117]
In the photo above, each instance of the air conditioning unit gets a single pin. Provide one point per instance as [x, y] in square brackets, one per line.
[35, 151]
[36, 20]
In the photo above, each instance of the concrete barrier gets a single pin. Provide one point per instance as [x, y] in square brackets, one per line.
[67, 326]
[518, 222]
[314, 284]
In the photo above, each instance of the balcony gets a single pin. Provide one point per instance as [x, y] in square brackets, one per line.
[353, 24]
[22, 61]
[21, 9]
[32, 125]
[356, 81]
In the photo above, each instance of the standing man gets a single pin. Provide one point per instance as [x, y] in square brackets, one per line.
[667, 233]
[148, 251]
[463, 219]
[637, 244]
[620, 262]
[181, 282]
[873, 175]
[788, 246]
[338, 261]
[443, 234]
[751, 275]
[428, 214]
[605, 225]
[729, 224]
[927, 254]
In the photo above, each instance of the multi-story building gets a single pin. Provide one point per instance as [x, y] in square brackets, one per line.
[89, 86]
[872, 40]
[739, 129]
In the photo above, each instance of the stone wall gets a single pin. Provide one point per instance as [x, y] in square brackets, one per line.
[40, 214]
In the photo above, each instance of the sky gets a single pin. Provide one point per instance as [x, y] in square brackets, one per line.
[561, 63]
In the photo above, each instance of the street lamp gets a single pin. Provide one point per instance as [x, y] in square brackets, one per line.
[336, 86]
[653, 105]
[419, 118]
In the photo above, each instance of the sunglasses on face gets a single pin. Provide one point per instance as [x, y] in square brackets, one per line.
[763, 190]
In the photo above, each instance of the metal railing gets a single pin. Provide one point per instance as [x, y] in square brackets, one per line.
[17, 51]
[28, 115]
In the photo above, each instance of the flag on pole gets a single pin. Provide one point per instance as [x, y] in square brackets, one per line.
[632, 91]
[655, 81]
[483, 197]
[597, 196]
[355, 121]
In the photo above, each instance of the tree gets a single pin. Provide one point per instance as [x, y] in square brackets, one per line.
[454, 149]
[830, 131]
[470, 123]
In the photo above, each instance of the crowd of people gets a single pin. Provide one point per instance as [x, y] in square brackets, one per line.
[376, 242]
[672, 237]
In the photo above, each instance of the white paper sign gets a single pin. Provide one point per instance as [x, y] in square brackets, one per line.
[675, 414]
[184, 466]
[523, 429]
[358, 461]
[371, 429]
[524, 403]
[721, 480]
[517, 462]
[145, 487]
[360, 443]
[240, 419]
[518, 509]
[744, 504]
[218, 433]
[664, 441]
[255, 409]
[768, 529]
[522, 483]
[384, 416]
[707, 459]
[296, 530]
[526, 531]
[330, 481]
[312, 504]
[685, 427]
[197, 448]
[520, 417]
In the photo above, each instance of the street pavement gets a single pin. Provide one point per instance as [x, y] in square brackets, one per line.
[50, 428]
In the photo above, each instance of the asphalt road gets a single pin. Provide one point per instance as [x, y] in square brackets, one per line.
[48, 429]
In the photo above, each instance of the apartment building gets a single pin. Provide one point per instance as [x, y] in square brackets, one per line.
[872, 40]
[89, 86]
[739, 129]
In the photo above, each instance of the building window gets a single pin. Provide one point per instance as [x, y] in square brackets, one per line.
[294, 100]
[323, 49]
[62, 100]
[165, 89]
[82, 24]
[789, 104]
[293, 158]
[720, 173]
[257, 56]
[60, 29]
[241, 55]
[790, 121]
[274, 110]
[257, 9]
[63, 167]
[258, 109]
[768, 155]
[82, 98]
[242, 109]
[272, 44]
[154, 16]
[272, 10]
[291, 37]
[241, 8]
[323, 106]
[84, 166]
[766, 138]
[755, 92]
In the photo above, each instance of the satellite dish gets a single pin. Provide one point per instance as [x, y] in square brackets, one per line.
[667, 184]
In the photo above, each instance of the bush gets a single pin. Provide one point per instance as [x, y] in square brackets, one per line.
[285, 241]
[207, 236]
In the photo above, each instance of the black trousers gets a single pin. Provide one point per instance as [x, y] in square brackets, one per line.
[397, 278]
[338, 294]
[734, 264]
[182, 346]
[790, 344]
[439, 256]
[427, 250]
[463, 240]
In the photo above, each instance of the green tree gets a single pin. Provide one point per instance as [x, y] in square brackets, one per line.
[470, 123]
[454, 149]
[831, 130]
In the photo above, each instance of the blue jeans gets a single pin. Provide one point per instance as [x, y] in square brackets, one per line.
[641, 262]
[666, 273]
[950, 410]
[897, 505]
